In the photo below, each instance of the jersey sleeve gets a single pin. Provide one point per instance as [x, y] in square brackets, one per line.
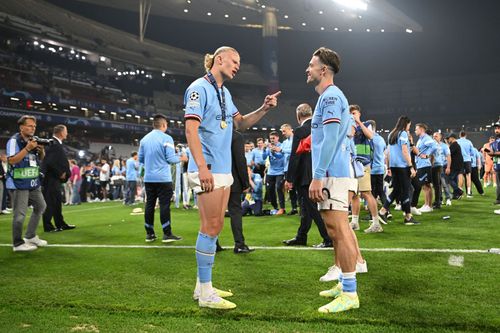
[403, 138]
[170, 153]
[446, 150]
[12, 148]
[331, 106]
[195, 100]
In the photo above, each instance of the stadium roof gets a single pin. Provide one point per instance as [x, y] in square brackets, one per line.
[301, 15]
[105, 40]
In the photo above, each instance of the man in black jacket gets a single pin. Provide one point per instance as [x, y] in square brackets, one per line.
[241, 183]
[457, 166]
[55, 168]
[299, 175]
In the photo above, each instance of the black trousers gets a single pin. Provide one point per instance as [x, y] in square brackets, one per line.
[377, 182]
[401, 182]
[51, 191]
[436, 183]
[308, 213]
[275, 184]
[293, 196]
[163, 192]
[236, 214]
[474, 177]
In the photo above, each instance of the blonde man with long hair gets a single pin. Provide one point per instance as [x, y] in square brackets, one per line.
[210, 115]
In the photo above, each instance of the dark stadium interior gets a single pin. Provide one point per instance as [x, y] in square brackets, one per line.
[443, 75]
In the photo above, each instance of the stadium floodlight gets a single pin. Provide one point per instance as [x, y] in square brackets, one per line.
[409, 31]
[81, 153]
[102, 58]
[353, 4]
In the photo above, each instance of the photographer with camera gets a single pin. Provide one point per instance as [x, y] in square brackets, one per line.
[23, 179]
[55, 168]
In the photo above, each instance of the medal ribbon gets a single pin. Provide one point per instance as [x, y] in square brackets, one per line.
[220, 95]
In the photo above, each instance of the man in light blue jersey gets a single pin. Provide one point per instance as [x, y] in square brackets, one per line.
[423, 150]
[179, 186]
[332, 178]
[442, 159]
[210, 114]
[131, 175]
[157, 153]
[275, 174]
[363, 150]
[286, 148]
[248, 152]
[258, 160]
[467, 154]
[378, 164]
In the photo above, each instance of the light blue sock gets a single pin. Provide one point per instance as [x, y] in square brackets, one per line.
[349, 282]
[205, 255]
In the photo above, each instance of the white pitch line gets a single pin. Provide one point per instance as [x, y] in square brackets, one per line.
[268, 248]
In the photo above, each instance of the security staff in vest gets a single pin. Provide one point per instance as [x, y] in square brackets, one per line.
[23, 179]
[55, 168]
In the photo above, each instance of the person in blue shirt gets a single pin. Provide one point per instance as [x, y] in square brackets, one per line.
[423, 150]
[442, 158]
[364, 153]
[468, 154]
[401, 170]
[248, 152]
[378, 164]
[157, 153]
[178, 176]
[476, 165]
[494, 153]
[210, 115]
[258, 160]
[131, 175]
[253, 201]
[275, 174]
[332, 179]
[286, 148]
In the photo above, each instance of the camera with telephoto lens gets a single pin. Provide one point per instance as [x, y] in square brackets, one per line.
[42, 141]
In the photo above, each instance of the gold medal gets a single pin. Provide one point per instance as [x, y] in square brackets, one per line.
[223, 124]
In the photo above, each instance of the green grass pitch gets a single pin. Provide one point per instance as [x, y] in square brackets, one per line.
[94, 289]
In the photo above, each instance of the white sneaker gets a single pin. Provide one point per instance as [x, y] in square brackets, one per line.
[425, 209]
[354, 225]
[332, 274]
[374, 228]
[24, 247]
[218, 292]
[36, 241]
[448, 202]
[5, 211]
[361, 267]
[215, 302]
[497, 211]
[469, 196]
[415, 211]
[398, 207]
